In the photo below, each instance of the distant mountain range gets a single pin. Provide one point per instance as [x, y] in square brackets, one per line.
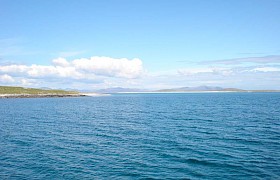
[182, 89]
[200, 88]
[44, 90]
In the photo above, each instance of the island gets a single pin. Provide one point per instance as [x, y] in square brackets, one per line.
[197, 89]
[21, 92]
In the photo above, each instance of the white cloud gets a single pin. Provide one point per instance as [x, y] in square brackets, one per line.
[265, 69]
[37, 71]
[53, 71]
[237, 78]
[103, 72]
[94, 69]
[6, 79]
[14, 69]
[26, 82]
[211, 70]
[61, 62]
[106, 66]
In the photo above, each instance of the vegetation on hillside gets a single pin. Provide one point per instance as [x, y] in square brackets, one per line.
[21, 90]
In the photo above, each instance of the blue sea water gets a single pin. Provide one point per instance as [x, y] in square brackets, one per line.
[139, 136]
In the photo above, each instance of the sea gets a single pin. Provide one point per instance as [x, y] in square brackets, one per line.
[142, 136]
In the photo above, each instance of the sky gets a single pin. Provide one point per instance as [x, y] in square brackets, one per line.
[151, 44]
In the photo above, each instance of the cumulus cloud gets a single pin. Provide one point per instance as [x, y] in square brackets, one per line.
[40, 71]
[6, 79]
[61, 62]
[106, 66]
[91, 69]
[103, 72]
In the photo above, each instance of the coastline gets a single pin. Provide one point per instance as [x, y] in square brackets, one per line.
[179, 92]
[175, 92]
[2, 96]
[6, 96]
[92, 94]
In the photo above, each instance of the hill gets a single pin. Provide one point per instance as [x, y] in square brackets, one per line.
[200, 88]
[22, 90]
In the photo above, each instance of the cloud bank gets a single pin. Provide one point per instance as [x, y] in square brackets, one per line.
[94, 68]
[103, 72]
[245, 73]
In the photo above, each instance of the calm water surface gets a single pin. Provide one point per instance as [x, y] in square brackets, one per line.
[138, 136]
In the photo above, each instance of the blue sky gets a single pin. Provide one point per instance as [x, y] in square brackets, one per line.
[179, 43]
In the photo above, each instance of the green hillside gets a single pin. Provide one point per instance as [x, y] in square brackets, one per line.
[21, 90]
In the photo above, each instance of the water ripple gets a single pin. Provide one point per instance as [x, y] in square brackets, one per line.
[147, 136]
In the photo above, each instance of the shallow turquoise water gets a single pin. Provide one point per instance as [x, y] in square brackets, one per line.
[136, 136]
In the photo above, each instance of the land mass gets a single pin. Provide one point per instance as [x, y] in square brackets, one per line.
[201, 88]
[178, 90]
[21, 92]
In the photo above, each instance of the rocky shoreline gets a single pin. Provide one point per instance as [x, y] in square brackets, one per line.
[40, 95]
